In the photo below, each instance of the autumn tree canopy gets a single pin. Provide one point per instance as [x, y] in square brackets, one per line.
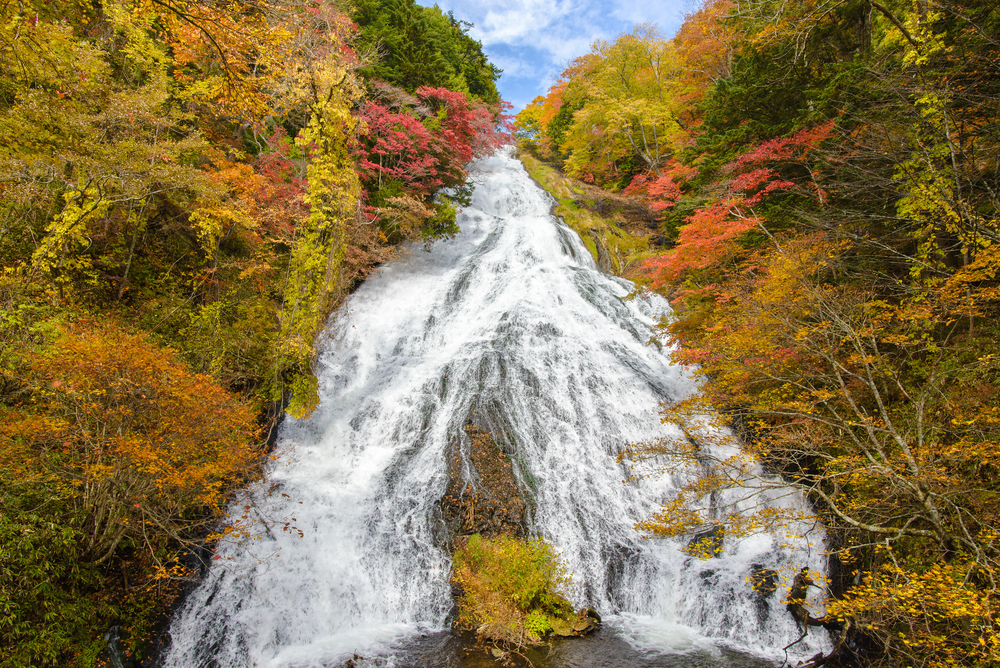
[187, 190]
[827, 204]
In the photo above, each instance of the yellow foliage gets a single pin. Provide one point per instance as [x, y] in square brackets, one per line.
[885, 423]
[938, 617]
[510, 589]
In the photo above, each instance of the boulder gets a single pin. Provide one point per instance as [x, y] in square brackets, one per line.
[764, 581]
[483, 495]
[562, 627]
[707, 543]
[585, 621]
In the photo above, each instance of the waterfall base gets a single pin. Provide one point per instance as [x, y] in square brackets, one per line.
[606, 647]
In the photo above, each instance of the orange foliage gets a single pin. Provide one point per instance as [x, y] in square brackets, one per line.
[138, 440]
[224, 54]
[706, 240]
[709, 237]
[552, 102]
[661, 192]
[705, 46]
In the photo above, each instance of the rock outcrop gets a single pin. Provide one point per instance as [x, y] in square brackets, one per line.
[484, 495]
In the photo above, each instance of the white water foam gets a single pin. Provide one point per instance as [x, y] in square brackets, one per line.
[512, 315]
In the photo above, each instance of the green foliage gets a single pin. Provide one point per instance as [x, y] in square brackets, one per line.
[560, 123]
[442, 224]
[422, 46]
[46, 588]
[759, 100]
[510, 588]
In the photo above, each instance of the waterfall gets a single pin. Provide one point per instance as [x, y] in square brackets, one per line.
[513, 318]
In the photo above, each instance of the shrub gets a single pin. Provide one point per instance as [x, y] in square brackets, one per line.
[139, 443]
[510, 589]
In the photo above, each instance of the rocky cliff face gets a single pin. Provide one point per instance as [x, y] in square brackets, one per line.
[484, 494]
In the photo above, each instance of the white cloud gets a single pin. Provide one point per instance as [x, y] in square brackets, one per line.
[533, 41]
[667, 14]
[521, 21]
[514, 67]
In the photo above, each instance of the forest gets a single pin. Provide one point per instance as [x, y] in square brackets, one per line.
[823, 181]
[187, 190]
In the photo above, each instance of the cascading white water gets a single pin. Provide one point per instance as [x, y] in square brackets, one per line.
[511, 314]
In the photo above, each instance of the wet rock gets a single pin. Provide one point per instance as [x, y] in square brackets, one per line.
[764, 581]
[603, 257]
[358, 660]
[114, 653]
[707, 543]
[487, 494]
[562, 627]
[709, 578]
[585, 621]
[483, 494]
[621, 561]
[589, 621]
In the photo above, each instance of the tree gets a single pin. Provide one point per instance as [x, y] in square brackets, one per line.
[314, 283]
[833, 216]
[528, 123]
[740, 201]
[422, 46]
[188, 170]
[629, 95]
[410, 147]
[141, 445]
[863, 406]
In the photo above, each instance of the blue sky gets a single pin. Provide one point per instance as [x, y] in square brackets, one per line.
[534, 40]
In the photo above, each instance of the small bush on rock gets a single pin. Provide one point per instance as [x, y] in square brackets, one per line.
[510, 589]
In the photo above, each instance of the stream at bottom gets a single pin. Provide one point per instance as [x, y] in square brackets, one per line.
[509, 331]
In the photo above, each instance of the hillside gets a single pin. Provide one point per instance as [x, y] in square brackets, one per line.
[187, 190]
[825, 177]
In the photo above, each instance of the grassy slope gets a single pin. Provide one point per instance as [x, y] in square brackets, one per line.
[617, 234]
